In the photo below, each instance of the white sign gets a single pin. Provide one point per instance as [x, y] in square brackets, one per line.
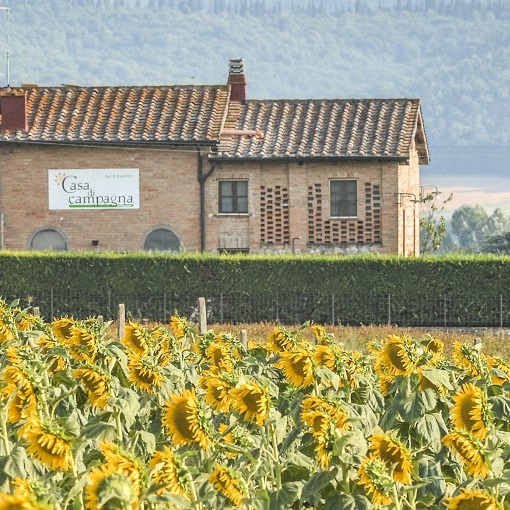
[101, 188]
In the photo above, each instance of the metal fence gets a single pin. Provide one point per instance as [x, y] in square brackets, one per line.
[417, 310]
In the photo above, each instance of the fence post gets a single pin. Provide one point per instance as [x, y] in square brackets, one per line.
[202, 316]
[244, 338]
[277, 311]
[444, 310]
[37, 311]
[501, 311]
[121, 320]
[164, 305]
[389, 309]
[221, 307]
[52, 311]
[333, 309]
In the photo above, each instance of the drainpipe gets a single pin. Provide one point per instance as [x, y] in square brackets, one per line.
[202, 178]
[2, 231]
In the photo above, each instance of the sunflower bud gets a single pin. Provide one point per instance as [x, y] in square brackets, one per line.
[115, 493]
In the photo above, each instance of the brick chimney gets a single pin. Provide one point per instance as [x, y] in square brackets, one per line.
[237, 80]
[13, 107]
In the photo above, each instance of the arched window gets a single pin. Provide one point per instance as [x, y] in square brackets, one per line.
[48, 239]
[162, 239]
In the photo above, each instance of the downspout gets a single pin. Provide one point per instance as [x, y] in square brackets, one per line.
[202, 178]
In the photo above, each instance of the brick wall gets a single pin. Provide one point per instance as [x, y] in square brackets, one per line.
[169, 197]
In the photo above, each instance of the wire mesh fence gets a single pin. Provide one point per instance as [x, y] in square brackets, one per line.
[335, 308]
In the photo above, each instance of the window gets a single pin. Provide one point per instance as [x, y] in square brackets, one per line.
[343, 198]
[233, 197]
[162, 239]
[48, 239]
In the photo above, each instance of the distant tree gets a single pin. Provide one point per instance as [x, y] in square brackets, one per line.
[432, 222]
[498, 243]
[470, 226]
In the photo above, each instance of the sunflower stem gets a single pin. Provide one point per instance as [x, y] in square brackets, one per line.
[5, 435]
[75, 475]
[118, 425]
[276, 459]
[396, 499]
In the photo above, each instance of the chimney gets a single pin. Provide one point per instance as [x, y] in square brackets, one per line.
[237, 80]
[13, 107]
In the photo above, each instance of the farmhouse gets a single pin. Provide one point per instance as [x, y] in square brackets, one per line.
[187, 168]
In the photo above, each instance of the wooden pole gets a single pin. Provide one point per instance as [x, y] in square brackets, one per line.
[202, 316]
[37, 312]
[121, 320]
[244, 338]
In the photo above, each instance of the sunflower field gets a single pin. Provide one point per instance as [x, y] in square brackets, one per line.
[165, 418]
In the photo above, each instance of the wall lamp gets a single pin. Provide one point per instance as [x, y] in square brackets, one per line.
[435, 193]
[401, 196]
[95, 242]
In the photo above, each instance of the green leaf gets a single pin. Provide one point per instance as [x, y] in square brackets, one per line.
[431, 428]
[429, 469]
[100, 430]
[285, 497]
[500, 407]
[259, 502]
[438, 377]
[316, 483]
[18, 464]
[129, 405]
[348, 502]
[295, 473]
[148, 439]
[416, 405]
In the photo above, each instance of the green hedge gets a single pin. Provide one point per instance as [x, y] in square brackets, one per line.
[353, 279]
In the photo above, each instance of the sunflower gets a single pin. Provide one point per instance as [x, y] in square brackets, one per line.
[333, 410]
[135, 338]
[297, 367]
[96, 385]
[217, 391]
[470, 452]
[435, 349]
[23, 320]
[62, 329]
[467, 357]
[144, 373]
[219, 358]
[19, 502]
[170, 473]
[470, 411]
[123, 463]
[395, 356]
[182, 418]
[472, 500]
[251, 401]
[280, 340]
[320, 424]
[395, 455]
[376, 480]
[179, 326]
[497, 364]
[107, 488]
[6, 334]
[82, 345]
[49, 443]
[324, 356]
[20, 389]
[320, 333]
[228, 483]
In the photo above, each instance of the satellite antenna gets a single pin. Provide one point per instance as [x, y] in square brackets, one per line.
[7, 10]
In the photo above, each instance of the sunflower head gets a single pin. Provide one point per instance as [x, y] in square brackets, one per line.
[230, 484]
[6, 333]
[185, 421]
[472, 500]
[434, 349]
[394, 454]
[169, 471]
[297, 366]
[109, 489]
[324, 356]
[20, 502]
[180, 327]
[145, 373]
[396, 356]
[467, 357]
[96, 384]
[470, 411]
[470, 451]
[217, 390]
[332, 409]
[136, 338]
[251, 401]
[62, 329]
[219, 357]
[83, 344]
[499, 370]
[280, 340]
[50, 444]
[376, 479]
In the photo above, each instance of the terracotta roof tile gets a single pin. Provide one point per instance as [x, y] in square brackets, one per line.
[165, 114]
[333, 128]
